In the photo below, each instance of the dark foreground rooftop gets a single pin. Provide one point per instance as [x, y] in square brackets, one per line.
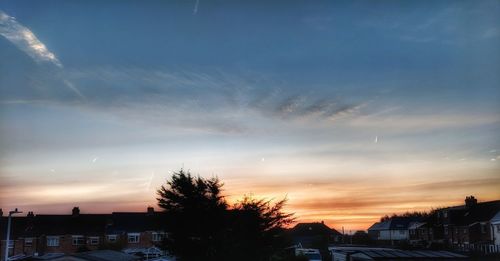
[370, 253]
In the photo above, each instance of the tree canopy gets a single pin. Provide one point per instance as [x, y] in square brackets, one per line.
[202, 226]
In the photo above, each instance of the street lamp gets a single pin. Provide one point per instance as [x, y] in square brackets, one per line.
[8, 233]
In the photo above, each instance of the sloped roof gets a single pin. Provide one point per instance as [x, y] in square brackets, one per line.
[396, 223]
[311, 229]
[496, 218]
[136, 222]
[83, 224]
[20, 226]
[480, 212]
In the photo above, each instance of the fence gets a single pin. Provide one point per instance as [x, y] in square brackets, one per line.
[481, 248]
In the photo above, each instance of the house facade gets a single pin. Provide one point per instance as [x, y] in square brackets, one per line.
[495, 228]
[393, 231]
[41, 234]
[471, 223]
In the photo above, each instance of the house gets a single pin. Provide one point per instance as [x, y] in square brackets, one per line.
[392, 231]
[495, 229]
[41, 234]
[469, 223]
[313, 234]
[426, 231]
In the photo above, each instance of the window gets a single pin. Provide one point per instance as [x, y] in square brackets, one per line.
[11, 244]
[112, 238]
[78, 240]
[28, 242]
[52, 241]
[94, 241]
[445, 214]
[483, 228]
[401, 232]
[157, 236]
[446, 231]
[133, 237]
[498, 228]
[465, 231]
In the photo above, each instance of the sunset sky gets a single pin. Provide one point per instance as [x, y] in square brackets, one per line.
[352, 110]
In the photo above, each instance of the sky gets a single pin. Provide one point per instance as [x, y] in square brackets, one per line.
[349, 109]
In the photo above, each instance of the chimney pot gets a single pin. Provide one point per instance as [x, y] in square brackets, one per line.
[470, 201]
[76, 211]
[151, 211]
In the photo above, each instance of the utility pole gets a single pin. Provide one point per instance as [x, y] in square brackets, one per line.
[8, 233]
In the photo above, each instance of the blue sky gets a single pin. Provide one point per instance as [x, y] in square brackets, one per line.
[332, 103]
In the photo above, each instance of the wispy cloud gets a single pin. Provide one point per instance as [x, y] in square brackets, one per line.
[24, 39]
[196, 4]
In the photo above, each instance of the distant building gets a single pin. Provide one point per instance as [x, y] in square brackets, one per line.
[36, 235]
[313, 234]
[392, 231]
[474, 223]
[495, 228]
[469, 223]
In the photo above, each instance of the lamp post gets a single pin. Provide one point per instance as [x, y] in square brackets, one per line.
[8, 233]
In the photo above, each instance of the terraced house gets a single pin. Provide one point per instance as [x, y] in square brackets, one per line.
[41, 234]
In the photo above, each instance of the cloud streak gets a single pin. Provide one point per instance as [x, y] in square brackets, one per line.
[24, 39]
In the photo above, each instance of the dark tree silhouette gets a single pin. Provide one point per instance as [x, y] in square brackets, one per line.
[257, 229]
[201, 226]
[196, 216]
[415, 214]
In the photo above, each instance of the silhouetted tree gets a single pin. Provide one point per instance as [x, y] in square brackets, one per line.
[256, 229]
[415, 214]
[196, 216]
[201, 226]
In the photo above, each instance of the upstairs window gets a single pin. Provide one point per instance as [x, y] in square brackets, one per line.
[157, 236]
[78, 240]
[133, 237]
[94, 241]
[483, 228]
[28, 242]
[52, 241]
[112, 238]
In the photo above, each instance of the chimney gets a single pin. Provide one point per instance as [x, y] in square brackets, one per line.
[470, 201]
[1, 213]
[151, 211]
[75, 212]
[30, 214]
